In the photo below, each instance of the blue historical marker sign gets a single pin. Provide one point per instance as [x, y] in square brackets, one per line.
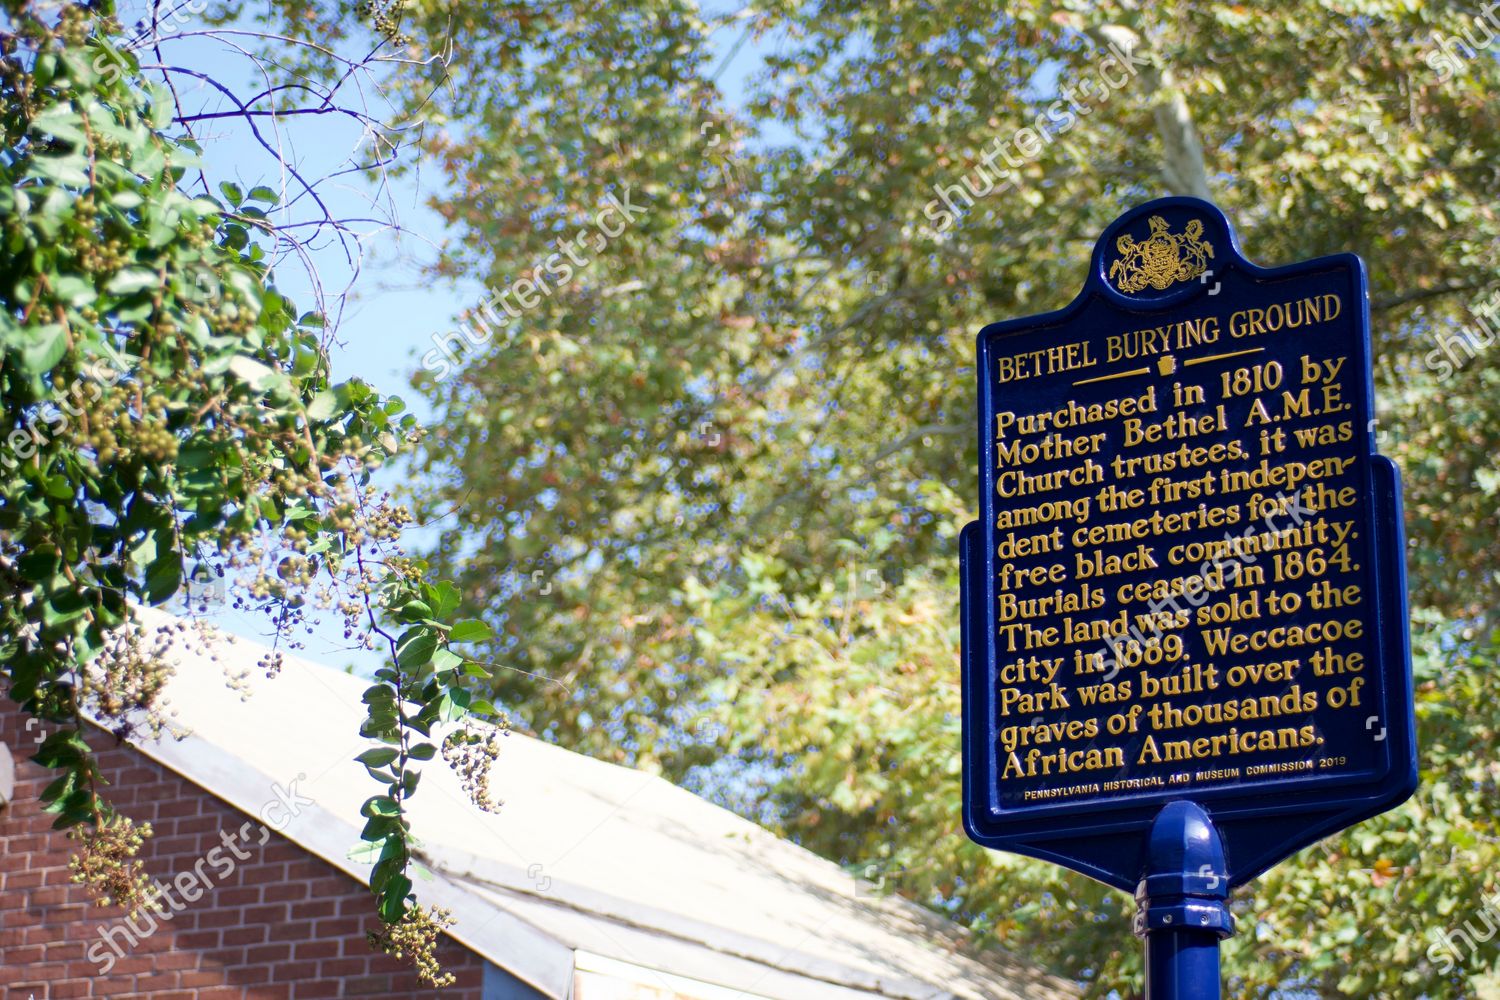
[1186, 582]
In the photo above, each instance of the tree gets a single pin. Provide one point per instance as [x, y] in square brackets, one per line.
[706, 483]
[169, 416]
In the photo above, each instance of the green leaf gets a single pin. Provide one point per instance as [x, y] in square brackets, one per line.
[388, 867]
[130, 280]
[40, 563]
[380, 726]
[378, 757]
[393, 900]
[62, 122]
[324, 405]
[378, 827]
[367, 852]
[378, 693]
[60, 788]
[380, 805]
[64, 746]
[64, 606]
[416, 647]
[45, 348]
[163, 577]
[446, 600]
[257, 375]
[196, 456]
[74, 290]
[69, 170]
[415, 611]
[453, 705]
[472, 630]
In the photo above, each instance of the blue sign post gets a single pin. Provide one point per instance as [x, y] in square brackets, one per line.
[1184, 602]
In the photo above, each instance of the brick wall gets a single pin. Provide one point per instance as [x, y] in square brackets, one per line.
[282, 925]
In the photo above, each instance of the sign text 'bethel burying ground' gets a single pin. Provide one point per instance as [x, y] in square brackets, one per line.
[1180, 532]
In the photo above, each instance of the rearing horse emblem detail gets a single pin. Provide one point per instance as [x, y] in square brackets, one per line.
[1162, 259]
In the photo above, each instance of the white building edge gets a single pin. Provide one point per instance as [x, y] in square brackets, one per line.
[594, 881]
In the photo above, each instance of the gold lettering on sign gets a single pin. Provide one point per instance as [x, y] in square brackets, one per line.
[1179, 594]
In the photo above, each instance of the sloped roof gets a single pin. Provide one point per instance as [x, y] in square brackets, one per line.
[587, 862]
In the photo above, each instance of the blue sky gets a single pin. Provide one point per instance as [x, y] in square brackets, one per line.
[388, 311]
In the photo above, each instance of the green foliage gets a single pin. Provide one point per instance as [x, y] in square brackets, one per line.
[717, 472]
[169, 415]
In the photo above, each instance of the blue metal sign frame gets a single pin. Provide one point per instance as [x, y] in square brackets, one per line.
[1164, 262]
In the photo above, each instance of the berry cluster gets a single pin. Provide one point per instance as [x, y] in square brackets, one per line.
[414, 940]
[472, 754]
[105, 863]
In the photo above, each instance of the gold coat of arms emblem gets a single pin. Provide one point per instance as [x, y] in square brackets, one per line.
[1162, 259]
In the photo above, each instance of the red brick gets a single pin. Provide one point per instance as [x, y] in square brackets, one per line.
[156, 981]
[242, 895]
[176, 960]
[339, 927]
[272, 914]
[317, 949]
[282, 912]
[294, 972]
[218, 918]
[285, 892]
[15, 881]
[193, 940]
[305, 868]
[281, 850]
[315, 908]
[62, 951]
[367, 985]
[291, 930]
[196, 826]
[179, 807]
[254, 934]
[340, 967]
[196, 978]
[280, 951]
[127, 964]
[224, 956]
